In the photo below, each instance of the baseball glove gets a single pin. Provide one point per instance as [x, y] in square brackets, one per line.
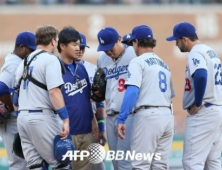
[99, 86]
[17, 146]
[5, 113]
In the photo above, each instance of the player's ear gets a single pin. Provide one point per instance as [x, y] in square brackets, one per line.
[62, 46]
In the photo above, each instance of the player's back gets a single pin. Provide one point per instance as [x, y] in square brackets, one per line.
[154, 81]
[42, 68]
[213, 92]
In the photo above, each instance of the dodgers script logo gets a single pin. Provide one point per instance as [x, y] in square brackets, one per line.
[72, 89]
[116, 71]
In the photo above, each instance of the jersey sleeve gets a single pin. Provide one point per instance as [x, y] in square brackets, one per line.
[172, 90]
[18, 73]
[134, 73]
[196, 61]
[8, 74]
[53, 73]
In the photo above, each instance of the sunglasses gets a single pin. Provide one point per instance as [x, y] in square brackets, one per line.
[82, 48]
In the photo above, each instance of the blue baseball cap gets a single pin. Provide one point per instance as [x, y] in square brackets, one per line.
[183, 29]
[107, 38]
[141, 32]
[83, 40]
[126, 38]
[27, 39]
[61, 147]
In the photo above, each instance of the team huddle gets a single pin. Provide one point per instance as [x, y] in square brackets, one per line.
[47, 102]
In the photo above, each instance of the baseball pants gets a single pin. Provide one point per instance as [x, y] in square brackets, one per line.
[202, 140]
[152, 133]
[7, 132]
[37, 132]
[115, 143]
[81, 142]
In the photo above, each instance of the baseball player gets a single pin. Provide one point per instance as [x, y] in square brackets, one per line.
[24, 45]
[149, 90]
[115, 61]
[202, 100]
[76, 92]
[98, 108]
[42, 113]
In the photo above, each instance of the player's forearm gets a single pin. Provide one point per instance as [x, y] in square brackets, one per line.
[129, 100]
[100, 116]
[56, 98]
[58, 103]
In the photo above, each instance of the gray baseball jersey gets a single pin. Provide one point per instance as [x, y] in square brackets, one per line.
[7, 131]
[37, 123]
[116, 74]
[205, 125]
[203, 57]
[32, 97]
[151, 74]
[153, 78]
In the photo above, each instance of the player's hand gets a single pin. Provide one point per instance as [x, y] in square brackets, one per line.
[65, 129]
[193, 109]
[121, 131]
[102, 138]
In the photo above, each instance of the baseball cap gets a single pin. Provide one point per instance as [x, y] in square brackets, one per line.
[107, 38]
[83, 40]
[61, 147]
[126, 38]
[183, 29]
[141, 32]
[27, 39]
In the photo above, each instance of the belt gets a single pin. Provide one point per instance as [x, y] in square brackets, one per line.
[206, 105]
[31, 111]
[116, 113]
[148, 107]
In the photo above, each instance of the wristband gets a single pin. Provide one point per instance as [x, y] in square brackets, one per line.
[100, 104]
[63, 113]
[101, 124]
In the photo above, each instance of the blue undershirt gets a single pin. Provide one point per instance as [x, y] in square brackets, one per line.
[200, 83]
[4, 90]
[129, 101]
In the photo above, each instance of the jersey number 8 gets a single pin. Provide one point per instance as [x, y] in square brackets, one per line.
[162, 82]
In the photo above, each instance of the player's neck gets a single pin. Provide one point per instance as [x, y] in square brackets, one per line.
[193, 44]
[47, 48]
[145, 50]
[66, 59]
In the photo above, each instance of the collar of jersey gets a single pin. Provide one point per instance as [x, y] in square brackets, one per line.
[121, 55]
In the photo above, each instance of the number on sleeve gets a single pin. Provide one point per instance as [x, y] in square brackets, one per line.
[121, 83]
[188, 85]
[218, 75]
[162, 81]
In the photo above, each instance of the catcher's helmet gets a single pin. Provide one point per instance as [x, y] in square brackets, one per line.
[61, 147]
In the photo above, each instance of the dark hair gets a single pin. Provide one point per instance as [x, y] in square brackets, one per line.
[147, 43]
[67, 35]
[193, 38]
[45, 34]
[18, 45]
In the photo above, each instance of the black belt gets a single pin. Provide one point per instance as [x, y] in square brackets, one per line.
[116, 113]
[148, 107]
